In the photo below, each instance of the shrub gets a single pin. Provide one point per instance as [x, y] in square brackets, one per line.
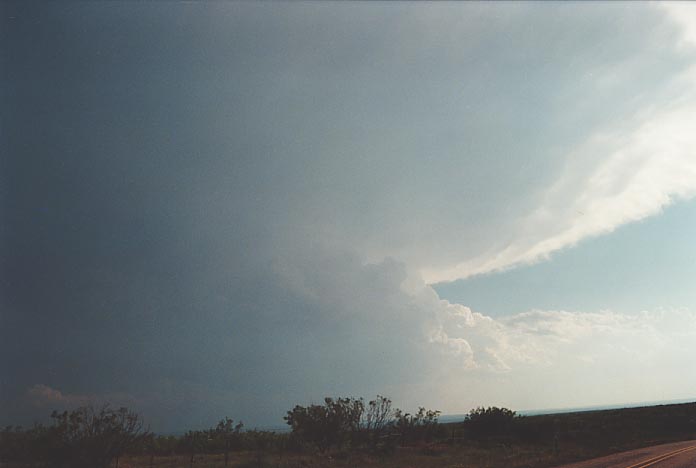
[490, 422]
[421, 426]
[90, 438]
[326, 425]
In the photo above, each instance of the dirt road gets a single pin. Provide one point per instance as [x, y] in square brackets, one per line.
[675, 455]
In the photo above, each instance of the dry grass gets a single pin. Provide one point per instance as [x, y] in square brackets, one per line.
[431, 456]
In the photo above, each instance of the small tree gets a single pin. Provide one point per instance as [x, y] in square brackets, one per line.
[227, 430]
[326, 425]
[378, 419]
[93, 438]
[379, 414]
[195, 441]
[419, 426]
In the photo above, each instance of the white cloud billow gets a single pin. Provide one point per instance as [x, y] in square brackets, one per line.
[436, 346]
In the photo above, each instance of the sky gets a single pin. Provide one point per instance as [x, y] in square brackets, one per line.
[227, 209]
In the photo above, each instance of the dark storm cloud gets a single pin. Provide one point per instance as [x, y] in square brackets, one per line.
[103, 129]
[190, 191]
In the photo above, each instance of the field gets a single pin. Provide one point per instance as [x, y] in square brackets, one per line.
[533, 442]
[435, 455]
[498, 439]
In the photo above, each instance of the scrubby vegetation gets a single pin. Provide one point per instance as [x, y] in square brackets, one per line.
[349, 423]
[82, 438]
[346, 432]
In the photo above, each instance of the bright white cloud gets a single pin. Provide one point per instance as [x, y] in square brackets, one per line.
[614, 178]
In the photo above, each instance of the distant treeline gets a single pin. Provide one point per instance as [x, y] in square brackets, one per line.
[95, 438]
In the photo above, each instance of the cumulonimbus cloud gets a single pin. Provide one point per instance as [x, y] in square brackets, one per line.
[462, 147]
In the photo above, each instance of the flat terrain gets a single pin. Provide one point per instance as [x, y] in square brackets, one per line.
[661, 436]
[671, 455]
[675, 455]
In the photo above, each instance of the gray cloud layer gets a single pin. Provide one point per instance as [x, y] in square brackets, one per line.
[229, 208]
